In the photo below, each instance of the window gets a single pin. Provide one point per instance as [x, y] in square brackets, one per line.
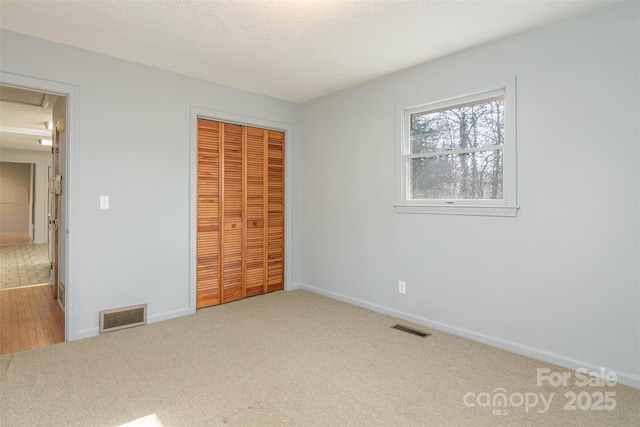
[457, 153]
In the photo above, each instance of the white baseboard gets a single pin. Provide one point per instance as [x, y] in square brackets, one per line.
[87, 333]
[294, 286]
[625, 378]
[92, 332]
[169, 315]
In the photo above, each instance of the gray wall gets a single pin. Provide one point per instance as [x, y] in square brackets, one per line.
[133, 144]
[15, 197]
[560, 281]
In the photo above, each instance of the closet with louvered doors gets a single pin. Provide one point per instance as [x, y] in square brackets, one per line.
[240, 212]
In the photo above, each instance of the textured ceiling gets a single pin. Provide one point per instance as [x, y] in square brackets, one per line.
[295, 50]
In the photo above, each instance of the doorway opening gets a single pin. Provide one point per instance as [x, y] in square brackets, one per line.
[32, 138]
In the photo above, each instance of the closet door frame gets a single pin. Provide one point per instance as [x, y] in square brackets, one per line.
[221, 116]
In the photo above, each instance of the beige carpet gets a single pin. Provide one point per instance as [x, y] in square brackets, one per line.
[288, 359]
[24, 265]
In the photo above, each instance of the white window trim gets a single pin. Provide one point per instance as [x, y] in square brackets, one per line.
[505, 207]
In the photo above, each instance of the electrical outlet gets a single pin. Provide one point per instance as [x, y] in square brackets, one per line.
[402, 287]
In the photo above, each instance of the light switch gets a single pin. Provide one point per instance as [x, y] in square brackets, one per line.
[104, 202]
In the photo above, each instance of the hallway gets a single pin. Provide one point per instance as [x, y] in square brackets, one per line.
[29, 316]
[24, 265]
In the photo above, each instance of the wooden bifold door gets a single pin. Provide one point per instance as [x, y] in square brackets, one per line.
[240, 212]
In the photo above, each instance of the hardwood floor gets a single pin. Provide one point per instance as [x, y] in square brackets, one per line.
[29, 318]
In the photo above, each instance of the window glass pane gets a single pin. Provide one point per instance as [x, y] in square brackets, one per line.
[476, 175]
[480, 124]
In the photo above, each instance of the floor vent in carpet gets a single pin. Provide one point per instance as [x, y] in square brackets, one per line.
[125, 317]
[411, 331]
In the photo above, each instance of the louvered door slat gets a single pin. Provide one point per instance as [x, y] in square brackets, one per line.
[255, 208]
[275, 209]
[208, 225]
[232, 245]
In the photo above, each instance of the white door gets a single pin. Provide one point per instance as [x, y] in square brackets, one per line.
[50, 236]
[54, 207]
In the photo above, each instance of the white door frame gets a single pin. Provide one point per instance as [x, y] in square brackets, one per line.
[69, 187]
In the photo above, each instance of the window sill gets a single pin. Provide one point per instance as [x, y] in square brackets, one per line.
[471, 210]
